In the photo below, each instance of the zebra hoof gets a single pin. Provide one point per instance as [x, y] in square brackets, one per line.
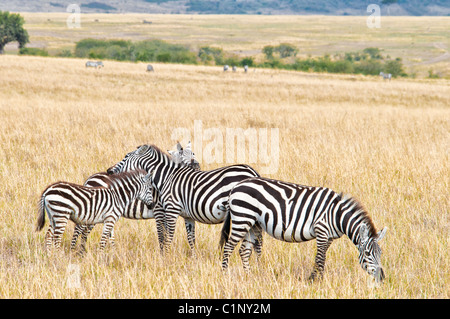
[314, 277]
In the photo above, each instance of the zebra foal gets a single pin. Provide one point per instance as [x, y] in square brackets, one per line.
[91, 205]
[296, 213]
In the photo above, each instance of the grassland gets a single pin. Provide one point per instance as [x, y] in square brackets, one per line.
[386, 143]
[421, 42]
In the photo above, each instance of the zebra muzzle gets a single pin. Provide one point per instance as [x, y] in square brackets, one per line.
[379, 274]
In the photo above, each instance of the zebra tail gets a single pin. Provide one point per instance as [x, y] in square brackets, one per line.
[41, 214]
[225, 234]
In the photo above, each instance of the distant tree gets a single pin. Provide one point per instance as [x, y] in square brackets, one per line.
[286, 50]
[395, 67]
[11, 29]
[247, 61]
[268, 51]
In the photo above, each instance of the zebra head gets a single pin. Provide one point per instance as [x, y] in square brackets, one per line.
[184, 156]
[146, 193]
[370, 252]
[142, 157]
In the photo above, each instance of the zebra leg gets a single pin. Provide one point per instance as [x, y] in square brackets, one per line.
[112, 240]
[84, 235]
[257, 246]
[79, 229]
[170, 222]
[227, 250]
[60, 227]
[160, 227]
[49, 238]
[323, 242]
[190, 230]
[108, 226]
[245, 251]
[237, 233]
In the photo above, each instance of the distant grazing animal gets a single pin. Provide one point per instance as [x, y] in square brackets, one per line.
[386, 76]
[94, 64]
[150, 68]
[296, 213]
[225, 68]
[245, 68]
[234, 68]
[91, 205]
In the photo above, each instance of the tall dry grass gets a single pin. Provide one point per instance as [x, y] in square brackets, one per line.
[386, 143]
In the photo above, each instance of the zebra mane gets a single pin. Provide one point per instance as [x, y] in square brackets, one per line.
[155, 148]
[359, 209]
[119, 176]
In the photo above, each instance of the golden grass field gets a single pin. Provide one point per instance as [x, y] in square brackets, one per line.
[385, 143]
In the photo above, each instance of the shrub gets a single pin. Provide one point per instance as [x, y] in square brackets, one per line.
[33, 51]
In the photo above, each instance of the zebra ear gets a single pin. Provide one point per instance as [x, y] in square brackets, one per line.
[381, 234]
[363, 234]
[179, 147]
[142, 149]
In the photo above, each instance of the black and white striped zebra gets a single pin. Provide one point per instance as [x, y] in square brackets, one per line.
[91, 205]
[94, 64]
[386, 76]
[296, 213]
[137, 209]
[183, 191]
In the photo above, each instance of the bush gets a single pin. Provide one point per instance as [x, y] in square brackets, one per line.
[146, 51]
[33, 51]
[395, 67]
[208, 54]
[247, 61]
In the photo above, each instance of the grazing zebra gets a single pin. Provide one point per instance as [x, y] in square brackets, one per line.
[94, 64]
[296, 213]
[386, 76]
[91, 205]
[183, 191]
[136, 209]
[225, 68]
[245, 68]
[234, 68]
[150, 68]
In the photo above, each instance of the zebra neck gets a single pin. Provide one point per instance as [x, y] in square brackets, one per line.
[163, 172]
[350, 218]
[125, 194]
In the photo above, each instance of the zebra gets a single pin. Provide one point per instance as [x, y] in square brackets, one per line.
[296, 213]
[225, 68]
[136, 209]
[183, 191]
[94, 64]
[150, 68]
[245, 68]
[185, 156]
[234, 68]
[91, 205]
[386, 76]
